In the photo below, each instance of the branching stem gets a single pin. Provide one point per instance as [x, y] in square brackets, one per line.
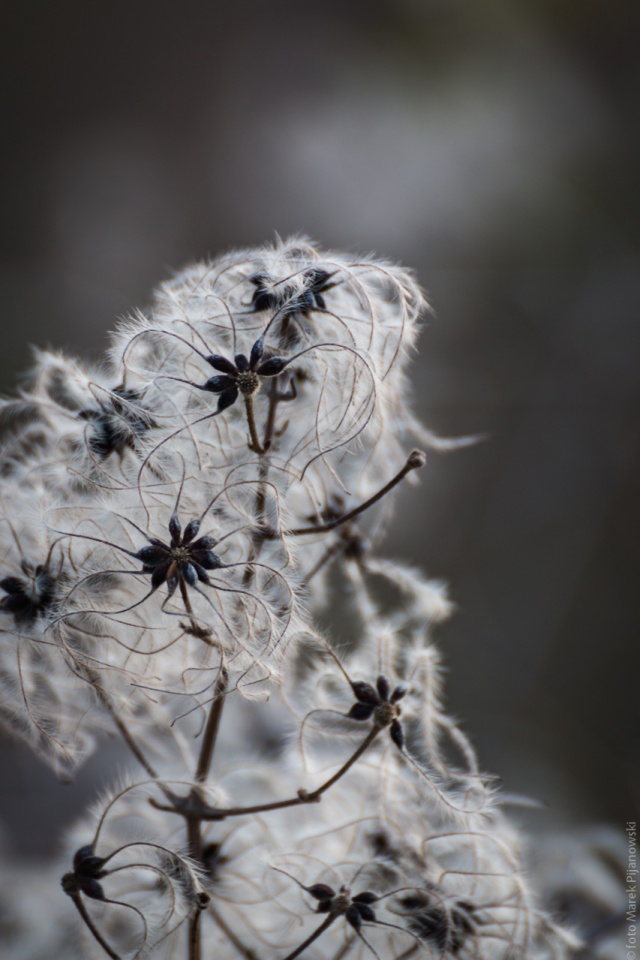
[128, 738]
[329, 554]
[195, 951]
[256, 446]
[82, 910]
[205, 759]
[263, 474]
[415, 461]
[213, 725]
[196, 629]
[203, 813]
[125, 733]
[326, 923]
[230, 935]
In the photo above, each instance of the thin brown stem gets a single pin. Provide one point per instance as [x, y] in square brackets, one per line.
[326, 923]
[127, 736]
[125, 733]
[230, 935]
[415, 461]
[256, 446]
[270, 426]
[195, 943]
[344, 949]
[263, 473]
[194, 839]
[196, 629]
[333, 551]
[366, 743]
[205, 759]
[204, 813]
[409, 952]
[210, 737]
[82, 910]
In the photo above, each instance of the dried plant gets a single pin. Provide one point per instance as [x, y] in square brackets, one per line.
[177, 524]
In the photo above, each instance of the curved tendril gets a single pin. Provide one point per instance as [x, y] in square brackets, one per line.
[171, 436]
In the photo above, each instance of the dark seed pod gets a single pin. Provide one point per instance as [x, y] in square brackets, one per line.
[397, 734]
[365, 693]
[191, 531]
[415, 901]
[221, 364]
[367, 896]
[272, 367]
[384, 688]
[365, 912]
[91, 868]
[204, 543]
[317, 279]
[218, 384]
[321, 891]
[116, 424]
[227, 398]
[151, 556]
[242, 364]
[158, 574]
[175, 528]
[83, 854]
[11, 585]
[263, 298]
[256, 352]
[361, 711]
[91, 888]
[206, 558]
[29, 598]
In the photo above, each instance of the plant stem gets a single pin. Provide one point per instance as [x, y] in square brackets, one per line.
[253, 429]
[346, 946]
[230, 935]
[213, 725]
[366, 743]
[270, 426]
[303, 796]
[263, 473]
[205, 759]
[333, 550]
[314, 936]
[125, 733]
[408, 952]
[196, 629]
[127, 736]
[82, 910]
[415, 460]
[195, 951]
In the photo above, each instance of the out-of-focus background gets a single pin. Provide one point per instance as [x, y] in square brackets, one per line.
[494, 146]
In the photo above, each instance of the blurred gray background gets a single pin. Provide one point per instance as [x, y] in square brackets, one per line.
[493, 146]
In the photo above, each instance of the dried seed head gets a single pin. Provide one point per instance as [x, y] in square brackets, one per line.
[248, 383]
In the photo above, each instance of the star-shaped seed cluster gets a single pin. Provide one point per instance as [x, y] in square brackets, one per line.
[354, 909]
[183, 560]
[242, 375]
[87, 871]
[381, 704]
[283, 298]
[30, 596]
[433, 921]
[117, 424]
